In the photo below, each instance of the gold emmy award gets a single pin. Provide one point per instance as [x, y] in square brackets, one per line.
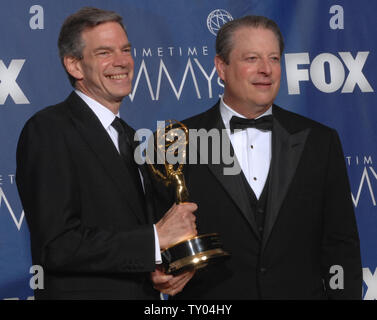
[195, 252]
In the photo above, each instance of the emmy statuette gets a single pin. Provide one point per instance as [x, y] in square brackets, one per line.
[195, 252]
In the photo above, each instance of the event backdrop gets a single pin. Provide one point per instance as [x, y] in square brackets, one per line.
[328, 74]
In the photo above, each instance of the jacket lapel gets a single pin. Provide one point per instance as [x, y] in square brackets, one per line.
[232, 183]
[287, 146]
[147, 184]
[92, 131]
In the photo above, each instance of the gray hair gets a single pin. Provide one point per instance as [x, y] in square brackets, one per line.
[224, 39]
[70, 42]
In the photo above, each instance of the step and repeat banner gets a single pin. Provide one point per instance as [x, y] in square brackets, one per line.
[328, 74]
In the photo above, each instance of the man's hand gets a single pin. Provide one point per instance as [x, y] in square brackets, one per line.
[177, 224]
[169, 284]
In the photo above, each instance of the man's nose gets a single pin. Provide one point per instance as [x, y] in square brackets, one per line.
[265, 66]
[122, 59]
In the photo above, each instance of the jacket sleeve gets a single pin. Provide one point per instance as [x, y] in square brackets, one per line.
[341, 262]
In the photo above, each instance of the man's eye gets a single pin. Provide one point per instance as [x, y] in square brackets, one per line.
[103, 53]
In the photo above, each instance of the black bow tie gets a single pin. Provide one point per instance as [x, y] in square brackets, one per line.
[262, 123]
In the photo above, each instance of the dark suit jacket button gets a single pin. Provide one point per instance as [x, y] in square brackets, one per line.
[260, 229]
[260, 211]
[263, 270]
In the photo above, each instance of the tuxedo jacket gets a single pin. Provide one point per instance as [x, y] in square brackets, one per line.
[89, 232]
[309, 228]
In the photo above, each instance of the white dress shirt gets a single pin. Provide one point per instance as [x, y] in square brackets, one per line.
[252, 148]
[106, 117]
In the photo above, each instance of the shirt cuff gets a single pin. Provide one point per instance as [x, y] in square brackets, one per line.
[157, 247]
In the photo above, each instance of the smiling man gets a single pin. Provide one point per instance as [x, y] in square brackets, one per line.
[251, 71]
[88, 206]
[104, 71]
[287, 219]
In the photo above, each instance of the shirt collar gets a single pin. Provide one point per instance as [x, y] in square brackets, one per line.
[227, 113]
[105, 116]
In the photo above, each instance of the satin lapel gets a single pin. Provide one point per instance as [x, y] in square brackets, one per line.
[232, 183]
[92, 131]
[286, 153]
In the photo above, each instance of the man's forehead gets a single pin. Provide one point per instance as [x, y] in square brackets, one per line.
[103, 27]
[245, 31]
[101, 35]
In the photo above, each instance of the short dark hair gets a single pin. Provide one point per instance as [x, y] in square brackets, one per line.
[70, 42]
[224, 39]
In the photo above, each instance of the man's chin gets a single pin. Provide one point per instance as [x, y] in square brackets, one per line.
[264, 104]
[119, 96]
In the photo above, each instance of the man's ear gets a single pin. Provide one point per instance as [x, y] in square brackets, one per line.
[73, 67]
[220, 67]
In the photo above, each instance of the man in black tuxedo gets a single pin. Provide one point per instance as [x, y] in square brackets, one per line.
[287, 218]
[87, 204]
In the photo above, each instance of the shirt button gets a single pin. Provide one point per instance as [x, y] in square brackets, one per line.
[252, 147]
[255, 179]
